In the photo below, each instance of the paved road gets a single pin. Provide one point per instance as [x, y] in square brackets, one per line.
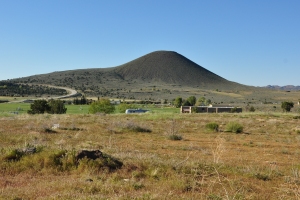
[71, 93]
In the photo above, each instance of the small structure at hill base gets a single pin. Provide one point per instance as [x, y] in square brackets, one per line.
[128, 111]
[209, 109]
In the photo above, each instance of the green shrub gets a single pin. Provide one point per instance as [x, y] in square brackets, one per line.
[39, 106]
[131, 126]
[234, 110]
[138, 186]
[57, 107]
[287, 106]
[234, 127]
[102, 106]
[212, 126]
[252, 109]
[121, 108]
[194, 110]
[13, 155]
[173, 131]
[264, 177]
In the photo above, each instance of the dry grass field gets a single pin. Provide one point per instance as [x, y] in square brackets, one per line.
[261, 162]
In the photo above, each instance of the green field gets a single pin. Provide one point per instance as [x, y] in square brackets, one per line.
[21, 108]
[14, 107]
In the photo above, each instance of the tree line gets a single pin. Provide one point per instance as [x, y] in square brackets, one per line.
[191, 101]
[14, 89]
[42, 106]
[104, 105]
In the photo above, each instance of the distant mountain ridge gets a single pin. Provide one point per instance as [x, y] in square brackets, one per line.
[286, 87]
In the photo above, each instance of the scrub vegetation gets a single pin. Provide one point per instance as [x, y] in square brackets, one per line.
[38, 156]
[96, 151]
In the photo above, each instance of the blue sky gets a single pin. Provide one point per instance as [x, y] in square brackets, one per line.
[250, 42]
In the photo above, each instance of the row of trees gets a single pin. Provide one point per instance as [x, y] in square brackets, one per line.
[52, 107]
[105, 106]
[58, 107]
[82, 101]
[191, 101]
[14, 89]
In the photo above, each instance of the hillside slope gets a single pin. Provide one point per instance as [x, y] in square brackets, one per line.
[157, 75]
[168, 67]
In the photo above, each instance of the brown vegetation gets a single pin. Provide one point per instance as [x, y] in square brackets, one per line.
[259, 163]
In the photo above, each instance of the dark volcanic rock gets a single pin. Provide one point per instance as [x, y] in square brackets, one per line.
[89, 154]
[106, 161]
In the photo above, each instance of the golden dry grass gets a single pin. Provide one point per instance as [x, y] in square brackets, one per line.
[260, 163]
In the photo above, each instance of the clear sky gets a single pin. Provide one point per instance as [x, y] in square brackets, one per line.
[253, 42]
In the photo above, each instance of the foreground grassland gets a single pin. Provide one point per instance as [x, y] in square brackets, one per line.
[262, 162]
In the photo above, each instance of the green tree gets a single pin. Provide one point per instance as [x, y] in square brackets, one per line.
[178, 102]
[287, 106]
[83, 100]
[102, 106]
[186, 103]
[75, 101]
[192, 100]
[57, 107]
[201, 101]
[39, 107]
[207, 102]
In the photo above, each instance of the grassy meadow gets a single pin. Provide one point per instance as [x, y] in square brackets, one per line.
[21, 108]
[260, 162]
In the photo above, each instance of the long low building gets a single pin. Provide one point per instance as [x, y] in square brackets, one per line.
[209, 109]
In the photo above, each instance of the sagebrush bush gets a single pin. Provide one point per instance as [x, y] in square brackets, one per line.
[13, 155]
[252, 109]
[131, 126]
[264, 177]
[175, 137]
[234, 127]
[173, 131]
[212, 126]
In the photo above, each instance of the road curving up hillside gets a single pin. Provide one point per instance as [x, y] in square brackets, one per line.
[71, 93]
